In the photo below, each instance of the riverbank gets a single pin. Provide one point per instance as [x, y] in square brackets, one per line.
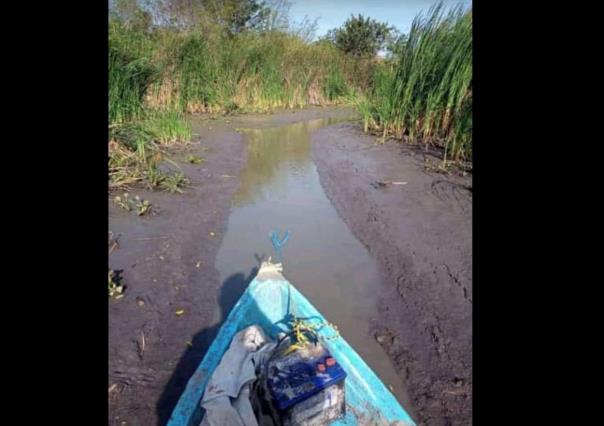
[418, 225]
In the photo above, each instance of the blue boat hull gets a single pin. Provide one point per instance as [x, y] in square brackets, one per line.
[267, 302]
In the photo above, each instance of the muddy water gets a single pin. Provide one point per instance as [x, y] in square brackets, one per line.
[280, 190]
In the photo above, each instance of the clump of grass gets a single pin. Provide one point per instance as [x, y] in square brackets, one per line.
[124, 169]
[427, 95]
[161, 127]
[136, 146]
[174, 182]
[167, 127]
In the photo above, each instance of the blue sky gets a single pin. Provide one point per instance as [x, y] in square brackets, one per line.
[333, 13]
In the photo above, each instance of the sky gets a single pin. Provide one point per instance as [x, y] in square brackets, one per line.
[333, 13]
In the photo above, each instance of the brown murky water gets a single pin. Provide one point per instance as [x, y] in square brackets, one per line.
[280, 190]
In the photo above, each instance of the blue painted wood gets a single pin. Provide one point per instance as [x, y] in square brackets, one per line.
[267, 303]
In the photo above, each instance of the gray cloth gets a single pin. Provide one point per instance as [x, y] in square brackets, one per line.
[226, 400]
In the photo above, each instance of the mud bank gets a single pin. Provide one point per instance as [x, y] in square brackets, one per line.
[167, 261]
[420, 231]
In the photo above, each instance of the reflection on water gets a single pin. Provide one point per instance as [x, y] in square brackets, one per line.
[280, 190]
[273, 155]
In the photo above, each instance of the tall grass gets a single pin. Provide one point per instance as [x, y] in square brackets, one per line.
[255, 72]
[156, 75]
[426, 95]
[136, 146]
[131, 72]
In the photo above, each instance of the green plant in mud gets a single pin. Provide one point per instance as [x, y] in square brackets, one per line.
[115, 286]
[174, 182]
[167, 127]
[136, 146]
[136, 204]
[426, 96]
[193, 159]
[160, 127]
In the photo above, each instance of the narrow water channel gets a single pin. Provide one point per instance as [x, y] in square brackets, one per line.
[280, 190]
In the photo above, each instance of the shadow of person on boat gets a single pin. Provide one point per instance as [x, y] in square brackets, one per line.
[230, 292]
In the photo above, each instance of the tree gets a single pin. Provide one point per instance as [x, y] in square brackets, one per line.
[130, 13]
[360, 36]
[238, 15]
[276, 18]
[232, 15]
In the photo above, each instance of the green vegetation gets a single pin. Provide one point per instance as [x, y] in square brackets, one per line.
[141, 207]
[193, 159]
[425, 95]
[172, 182]
[170, 58]
[361, 37]
[213, 58]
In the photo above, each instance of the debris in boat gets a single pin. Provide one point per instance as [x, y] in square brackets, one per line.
[227, 397]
